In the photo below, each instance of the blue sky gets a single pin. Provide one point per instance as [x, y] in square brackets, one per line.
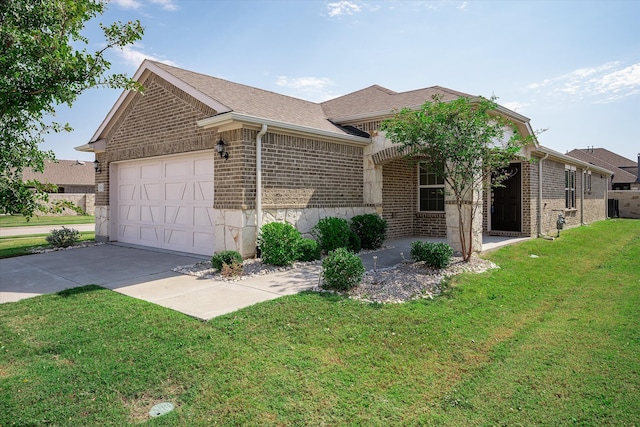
[572, 67]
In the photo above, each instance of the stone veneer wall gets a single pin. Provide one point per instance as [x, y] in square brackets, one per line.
[628, 202]
[86, 201]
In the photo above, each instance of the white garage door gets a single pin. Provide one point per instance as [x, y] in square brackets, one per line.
[165, 203]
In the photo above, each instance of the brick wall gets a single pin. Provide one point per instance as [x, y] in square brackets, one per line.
[301, 172]
[160, 122]
[399, 203]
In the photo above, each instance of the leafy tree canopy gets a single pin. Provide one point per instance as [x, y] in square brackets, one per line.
[44, 63]
[465, 142]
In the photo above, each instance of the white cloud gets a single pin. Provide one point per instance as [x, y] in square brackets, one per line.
[127, 4]
[605, 83]
[514, 105]
[166, 4]
[169, 5]
[343, 7]
[463, 6]
[133, 55]
[315, 89]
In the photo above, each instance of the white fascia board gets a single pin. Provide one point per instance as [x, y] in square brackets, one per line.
[142, 74]
[221, 120]
[98, 146]
[556, 155]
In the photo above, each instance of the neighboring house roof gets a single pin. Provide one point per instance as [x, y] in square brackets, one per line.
[606, 159]
[63, 173]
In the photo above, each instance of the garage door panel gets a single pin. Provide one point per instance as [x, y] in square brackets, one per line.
[129, 213]
[127, 192]
[202, 217]
[203, 191]
[128, 172]
[177, 169]
[202, 240]
[175, 191]
[150, 191]
[167, 203]
[128, 232]
[150, 214]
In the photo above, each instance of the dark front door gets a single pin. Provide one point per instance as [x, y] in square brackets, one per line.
[506, 201]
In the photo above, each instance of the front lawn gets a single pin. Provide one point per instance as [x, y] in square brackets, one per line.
[545, 340]
[23, 245]
[21, 221]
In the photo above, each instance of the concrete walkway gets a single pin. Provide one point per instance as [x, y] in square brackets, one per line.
[146, 274]
[42, 229]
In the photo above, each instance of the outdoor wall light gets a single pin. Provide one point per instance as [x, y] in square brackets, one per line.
[220, 149]
[96, 166]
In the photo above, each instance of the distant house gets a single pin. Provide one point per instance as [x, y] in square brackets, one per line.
[197, 164]
[71, 176]
[75, 181]
[625, 172]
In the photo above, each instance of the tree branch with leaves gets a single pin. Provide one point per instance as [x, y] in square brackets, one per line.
[42, 66]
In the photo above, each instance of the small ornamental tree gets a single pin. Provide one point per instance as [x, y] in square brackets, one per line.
[42, 65]
[464, 141]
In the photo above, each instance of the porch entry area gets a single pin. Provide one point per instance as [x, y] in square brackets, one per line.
[506, 201]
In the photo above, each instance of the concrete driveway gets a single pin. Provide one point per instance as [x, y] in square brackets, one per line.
[144, 274]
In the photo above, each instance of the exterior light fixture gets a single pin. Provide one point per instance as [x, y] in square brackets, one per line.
[221, 150]
[96, 166]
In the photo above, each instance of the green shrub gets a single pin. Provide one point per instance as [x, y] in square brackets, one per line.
[342, 270]
[437, 255]
[308, 250]
[219, 260]
[232, 270]
[63, 237]
[278, 243]
[371, 228]
[355, 245]
[332, 233]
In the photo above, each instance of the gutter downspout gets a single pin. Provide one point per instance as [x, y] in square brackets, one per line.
[259, 182]
[540, 234]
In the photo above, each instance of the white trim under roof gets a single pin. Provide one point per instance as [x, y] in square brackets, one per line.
[98, 146]
[149, 67]
[232, 119]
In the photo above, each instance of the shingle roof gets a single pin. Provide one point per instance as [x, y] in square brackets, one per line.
[375, 99]
[609, 157]
[64, 172]
[270, 105]
[256, 102]
[601, 157]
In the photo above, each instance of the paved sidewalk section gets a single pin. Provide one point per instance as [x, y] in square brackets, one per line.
[146, 274]
[42, 229]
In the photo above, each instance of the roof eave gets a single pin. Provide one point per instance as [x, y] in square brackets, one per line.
[542, 151]
[233, 119]
[98, 146]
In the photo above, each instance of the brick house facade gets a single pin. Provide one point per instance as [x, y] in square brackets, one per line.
[162, 182]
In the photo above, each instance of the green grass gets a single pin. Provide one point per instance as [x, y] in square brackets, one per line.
[23, 245]
[552, 340]
[21, 221]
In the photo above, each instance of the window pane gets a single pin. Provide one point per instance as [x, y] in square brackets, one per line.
[431, 199]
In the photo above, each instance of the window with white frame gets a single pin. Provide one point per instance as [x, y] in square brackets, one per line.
[570, 187]
[430, 189]
[587, 181]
